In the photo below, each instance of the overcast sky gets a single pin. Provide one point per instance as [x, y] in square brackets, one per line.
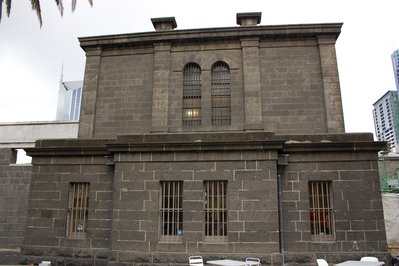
[31, 58]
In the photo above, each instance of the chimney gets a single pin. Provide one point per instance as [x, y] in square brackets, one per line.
[162, 24]
[249, 19]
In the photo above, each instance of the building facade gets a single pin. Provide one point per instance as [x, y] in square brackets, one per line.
[395, 65]
[221, 142]
[69, 100]
[386, 118]
[15, 179]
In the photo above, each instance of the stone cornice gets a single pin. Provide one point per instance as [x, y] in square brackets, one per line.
[69, 147]
[211, 141]
[196, 142]
[331, 142]
[354, 146]
[203, 35]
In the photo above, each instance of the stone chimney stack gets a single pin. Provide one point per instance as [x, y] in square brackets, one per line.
[249, 19]
[163, 24]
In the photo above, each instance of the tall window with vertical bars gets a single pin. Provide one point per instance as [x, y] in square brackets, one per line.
[321, 211]
[191, 95]
[215, 209]
[78, 204]
[171, 211]
[221, 95]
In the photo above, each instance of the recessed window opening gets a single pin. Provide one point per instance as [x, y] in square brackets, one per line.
[192, 95]
[321, 211]
[215, 209]
[171, 211]
[221, 95]
[78, 208]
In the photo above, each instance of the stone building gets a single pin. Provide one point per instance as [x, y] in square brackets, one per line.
[220, 142]
[15, 177]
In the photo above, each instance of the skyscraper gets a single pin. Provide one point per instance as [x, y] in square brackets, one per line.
[395, 65]
[386, 118]
[69, 100]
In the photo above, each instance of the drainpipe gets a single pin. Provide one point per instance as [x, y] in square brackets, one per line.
[110, 162]
[282, 161]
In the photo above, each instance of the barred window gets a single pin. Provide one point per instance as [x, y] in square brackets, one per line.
[171, 211]
[215, 208]
[321, 211]
[78, 203]
[221, 95]
[192, 95]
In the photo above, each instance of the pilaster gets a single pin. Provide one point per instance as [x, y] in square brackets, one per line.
[332, 91]
[89, 97]
[252, 87]
[160, 93]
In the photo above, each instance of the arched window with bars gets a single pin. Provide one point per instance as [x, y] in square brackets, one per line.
[221, 94]
[191, 95]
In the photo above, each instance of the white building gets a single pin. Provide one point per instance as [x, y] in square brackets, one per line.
[386, 118]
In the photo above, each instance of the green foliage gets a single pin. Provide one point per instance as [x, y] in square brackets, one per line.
[36, 7]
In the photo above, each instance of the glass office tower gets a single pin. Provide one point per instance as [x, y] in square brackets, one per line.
[395, 65]
[69, 100]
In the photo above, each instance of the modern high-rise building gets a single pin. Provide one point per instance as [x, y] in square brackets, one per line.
[69, 100]
[395, 65]
[386, 111]
[386, 118]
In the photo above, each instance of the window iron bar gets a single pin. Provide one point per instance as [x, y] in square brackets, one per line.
[321, 215]
[221, 94]
[77, 210]
[215, 207]
[171, 211]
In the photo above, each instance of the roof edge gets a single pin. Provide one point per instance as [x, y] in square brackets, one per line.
[332, 29]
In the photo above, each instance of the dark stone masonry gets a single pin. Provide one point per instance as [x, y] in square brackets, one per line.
[222, 142]
[14, 193]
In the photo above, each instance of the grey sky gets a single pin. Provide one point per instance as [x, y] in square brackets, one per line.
[31, 57]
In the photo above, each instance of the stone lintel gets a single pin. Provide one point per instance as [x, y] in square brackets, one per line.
[165, 23]
[249, 18]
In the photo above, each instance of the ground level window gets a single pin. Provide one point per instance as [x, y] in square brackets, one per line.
[215, 208]
[78, 204]
[171, 211]
[321, 211]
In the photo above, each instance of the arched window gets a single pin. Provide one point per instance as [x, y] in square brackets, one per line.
[191, 95]
[221, 95]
